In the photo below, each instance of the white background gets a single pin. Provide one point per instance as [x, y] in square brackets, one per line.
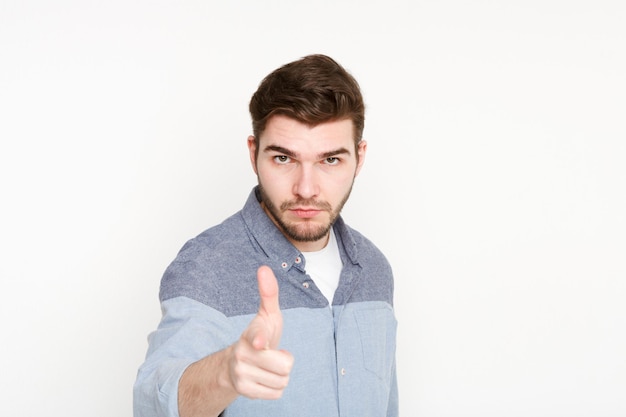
[495, 183]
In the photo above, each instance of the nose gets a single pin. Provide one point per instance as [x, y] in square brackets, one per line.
[306, 184]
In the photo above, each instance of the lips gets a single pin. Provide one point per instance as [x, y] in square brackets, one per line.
[305, 209]
[305, 213]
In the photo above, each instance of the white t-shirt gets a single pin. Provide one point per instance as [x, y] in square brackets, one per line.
[324, 267]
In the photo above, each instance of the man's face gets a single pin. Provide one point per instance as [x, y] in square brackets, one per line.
[305, 176]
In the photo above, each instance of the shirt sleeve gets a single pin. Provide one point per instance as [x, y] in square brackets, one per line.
[188, 331]
[393, 407]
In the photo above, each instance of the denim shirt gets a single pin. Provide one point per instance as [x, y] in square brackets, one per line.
[344, 357]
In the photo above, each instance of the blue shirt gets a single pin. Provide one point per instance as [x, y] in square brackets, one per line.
[344, 357]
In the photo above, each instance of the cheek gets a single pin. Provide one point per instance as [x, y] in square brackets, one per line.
[270, 174]
[342, 178]
[338, 186]
[274, 182]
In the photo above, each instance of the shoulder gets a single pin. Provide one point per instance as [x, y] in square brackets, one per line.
[226, 235]
[200, 266]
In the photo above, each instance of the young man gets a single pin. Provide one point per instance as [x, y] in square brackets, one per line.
[282, 310]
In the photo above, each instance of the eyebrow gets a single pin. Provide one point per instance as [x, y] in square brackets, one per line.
[292, 154]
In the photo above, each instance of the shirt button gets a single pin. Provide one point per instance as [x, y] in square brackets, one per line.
[298, 259]
[343, 371]
[305, 285]
[284, 265]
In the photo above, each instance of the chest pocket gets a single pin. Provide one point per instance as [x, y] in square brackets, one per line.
[377, 330]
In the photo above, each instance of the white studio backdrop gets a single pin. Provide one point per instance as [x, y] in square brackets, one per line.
[495, 184]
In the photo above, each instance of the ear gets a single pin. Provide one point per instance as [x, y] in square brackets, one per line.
[252, 151]
[361, 151]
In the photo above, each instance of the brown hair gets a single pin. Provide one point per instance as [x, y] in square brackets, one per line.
[312, 90]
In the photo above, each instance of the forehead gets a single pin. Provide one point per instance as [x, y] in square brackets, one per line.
[289, 133]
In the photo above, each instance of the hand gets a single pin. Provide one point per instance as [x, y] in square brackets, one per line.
[257, 369]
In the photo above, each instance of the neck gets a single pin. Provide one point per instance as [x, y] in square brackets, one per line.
[311, 246]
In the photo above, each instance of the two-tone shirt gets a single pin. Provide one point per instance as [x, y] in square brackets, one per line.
[344, 357]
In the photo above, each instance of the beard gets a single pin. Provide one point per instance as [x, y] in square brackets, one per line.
[306, 230]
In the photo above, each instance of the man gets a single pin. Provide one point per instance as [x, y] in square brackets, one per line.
[282, 310]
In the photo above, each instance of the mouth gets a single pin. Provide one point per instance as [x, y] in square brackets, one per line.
[305, 213]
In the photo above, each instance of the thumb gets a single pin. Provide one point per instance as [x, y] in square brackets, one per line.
[265, 330]
[268, 290]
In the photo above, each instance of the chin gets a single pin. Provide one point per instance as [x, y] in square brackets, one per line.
[308, 234]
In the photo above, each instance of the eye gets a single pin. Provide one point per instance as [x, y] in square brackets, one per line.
[332, 160]
[282, 159]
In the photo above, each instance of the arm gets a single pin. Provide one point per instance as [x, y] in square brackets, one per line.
[393, 407]
[251, 367]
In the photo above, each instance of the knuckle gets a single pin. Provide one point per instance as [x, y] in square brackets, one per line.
[282, 386]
